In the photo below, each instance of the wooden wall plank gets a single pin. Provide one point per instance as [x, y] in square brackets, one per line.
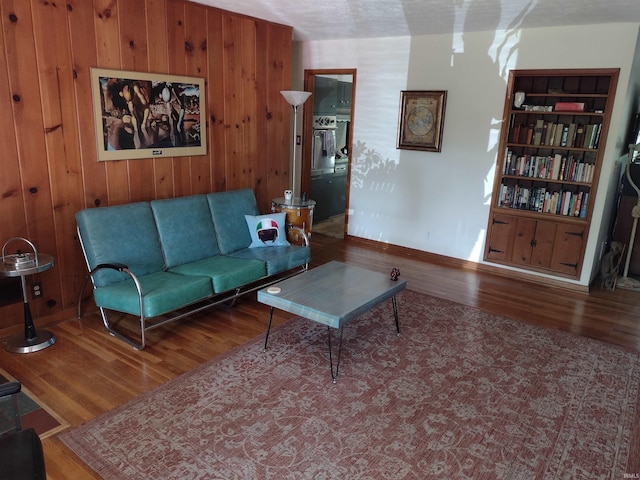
[216, 100]
[260, 120]
[156, 18]
[11, 197]
[279, 118]
[61, 134]
[249, 158]
[49, 162]
[133, 44]
[27, 112]
[196, 65]
[108, 50]
[232, 35]
[12, 208]
[177, 66]
[84, 53]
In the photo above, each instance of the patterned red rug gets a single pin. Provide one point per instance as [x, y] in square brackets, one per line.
[461, 393]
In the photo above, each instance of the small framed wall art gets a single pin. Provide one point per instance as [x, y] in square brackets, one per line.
[146, 115]
[421, 119]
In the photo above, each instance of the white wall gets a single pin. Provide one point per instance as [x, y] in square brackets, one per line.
[439, 202]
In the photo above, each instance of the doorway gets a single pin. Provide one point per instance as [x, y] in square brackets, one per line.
[326, 152]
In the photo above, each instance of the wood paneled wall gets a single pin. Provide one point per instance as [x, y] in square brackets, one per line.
[48, 159]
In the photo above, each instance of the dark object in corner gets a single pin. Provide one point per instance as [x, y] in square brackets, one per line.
[21, 454]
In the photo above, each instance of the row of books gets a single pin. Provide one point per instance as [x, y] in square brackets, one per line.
[542, 200]
[552, 167]
[570, 135]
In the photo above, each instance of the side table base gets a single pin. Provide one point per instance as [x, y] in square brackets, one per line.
[20, 344]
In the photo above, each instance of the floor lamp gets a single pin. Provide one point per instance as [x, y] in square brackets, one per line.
[295, 99]
[625, 281]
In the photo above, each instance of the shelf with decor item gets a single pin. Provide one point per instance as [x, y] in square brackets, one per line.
[555, 126]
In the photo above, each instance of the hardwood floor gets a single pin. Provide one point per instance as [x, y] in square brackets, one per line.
[87, 372]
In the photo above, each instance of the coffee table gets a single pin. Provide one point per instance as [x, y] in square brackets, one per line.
[332, 294]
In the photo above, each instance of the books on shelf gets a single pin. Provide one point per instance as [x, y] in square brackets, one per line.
[540, 199]
[555, 134]
[551, 167]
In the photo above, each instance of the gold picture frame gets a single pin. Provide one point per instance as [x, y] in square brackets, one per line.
[421, 120]
[147, 115]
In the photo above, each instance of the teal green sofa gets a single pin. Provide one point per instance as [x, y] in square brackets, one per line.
[166, 259]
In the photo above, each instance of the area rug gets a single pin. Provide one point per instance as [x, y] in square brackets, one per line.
[33, 412]
[460, 393]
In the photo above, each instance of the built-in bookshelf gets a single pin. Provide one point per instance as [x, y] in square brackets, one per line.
[551, 147]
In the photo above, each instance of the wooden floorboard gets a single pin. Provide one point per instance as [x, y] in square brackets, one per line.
[87, 372]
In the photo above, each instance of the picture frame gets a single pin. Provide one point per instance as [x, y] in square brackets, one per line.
[147, 115]
[421, 120]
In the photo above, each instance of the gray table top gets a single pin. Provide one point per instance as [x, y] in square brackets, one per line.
[44, 262]
[332, 294]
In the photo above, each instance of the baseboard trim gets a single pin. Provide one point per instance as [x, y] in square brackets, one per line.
[443, 260]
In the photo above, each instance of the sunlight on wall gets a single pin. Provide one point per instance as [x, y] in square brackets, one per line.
[504, 54]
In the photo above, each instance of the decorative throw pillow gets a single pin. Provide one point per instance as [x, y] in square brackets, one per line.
[267, 230]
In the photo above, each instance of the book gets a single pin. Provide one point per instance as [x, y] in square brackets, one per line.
[571, 134]
[588, 132]
[565, 136]
[596, 139]
[583, 207]
[537, 132]
[575, 212]
[557, 162]
[528, 134]
[545, 133]
[579, 138]
[569, 107]
[550, 131]
[551, 134]
[507, 162]
[515, 133]
[566, 202]
[558, 134]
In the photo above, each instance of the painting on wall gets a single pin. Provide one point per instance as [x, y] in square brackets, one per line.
[145, 115]
[421, 120]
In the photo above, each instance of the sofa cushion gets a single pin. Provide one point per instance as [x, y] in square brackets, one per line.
[225, 272]
[277, 259]
[267, 230]
[185, 228]
[163, 292]
[121, 233]
[228, 210]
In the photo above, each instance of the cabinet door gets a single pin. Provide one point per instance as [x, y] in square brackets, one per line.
[500, 241]
[321, 193]
[325, 96]
[523, 241]
[567, 248]
[543, 244]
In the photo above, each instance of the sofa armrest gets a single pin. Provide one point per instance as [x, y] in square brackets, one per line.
[121, 267]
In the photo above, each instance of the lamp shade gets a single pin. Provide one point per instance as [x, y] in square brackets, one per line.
[295, 97]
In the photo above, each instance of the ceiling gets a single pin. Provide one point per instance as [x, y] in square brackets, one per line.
[350, 19]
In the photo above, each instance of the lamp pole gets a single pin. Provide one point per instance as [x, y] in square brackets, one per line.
[295, 99]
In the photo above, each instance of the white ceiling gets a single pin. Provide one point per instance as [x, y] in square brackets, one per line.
[344, 19]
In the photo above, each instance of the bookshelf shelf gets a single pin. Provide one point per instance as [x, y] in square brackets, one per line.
[549, 161]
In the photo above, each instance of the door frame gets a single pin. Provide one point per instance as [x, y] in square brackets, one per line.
[307, 129]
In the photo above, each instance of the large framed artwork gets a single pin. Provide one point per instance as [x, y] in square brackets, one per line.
[421, 120]
[144, 115]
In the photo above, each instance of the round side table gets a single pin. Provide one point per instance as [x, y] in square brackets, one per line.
[299, 213]
[32, 341]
